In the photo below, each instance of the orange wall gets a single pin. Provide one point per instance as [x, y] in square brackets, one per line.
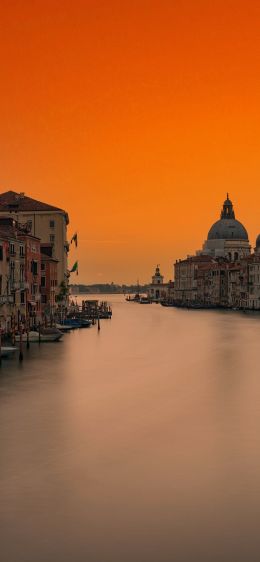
[136, 116]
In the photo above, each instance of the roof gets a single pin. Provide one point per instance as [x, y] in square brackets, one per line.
[14, 231]
[227, 229]
[12, 201]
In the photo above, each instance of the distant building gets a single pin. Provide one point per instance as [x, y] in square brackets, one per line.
[224, 273]
[227, 237]
[158, 290]
[47, 223]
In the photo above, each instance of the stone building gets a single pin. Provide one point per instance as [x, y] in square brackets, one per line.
[186, 279]
[49, 281]
[158, 290]
[47, 223]
[227, 237]
[224, 273]
[19, 273]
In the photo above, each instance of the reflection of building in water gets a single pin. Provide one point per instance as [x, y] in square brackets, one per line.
[225, 272]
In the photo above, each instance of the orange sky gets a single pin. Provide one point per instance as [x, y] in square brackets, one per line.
[136, 116]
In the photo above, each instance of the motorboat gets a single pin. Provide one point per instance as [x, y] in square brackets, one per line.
[45, 335]
[8, 351]
[63, 328]
[85, 323]
[77, 323]
[73, 323]
[144, 300]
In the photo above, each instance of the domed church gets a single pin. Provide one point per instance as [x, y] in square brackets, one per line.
[227, 237]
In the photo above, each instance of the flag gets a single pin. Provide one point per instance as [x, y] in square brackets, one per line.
[75, 268]
[74, 239]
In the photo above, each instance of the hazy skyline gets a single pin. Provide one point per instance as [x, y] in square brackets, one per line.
[137, 118]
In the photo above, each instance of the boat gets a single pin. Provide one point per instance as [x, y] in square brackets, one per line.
[63, 328]
[85, 323]
[74, 323]
[7, 351]
[77, 323]
[46, 335]
[144, 300]
[136, 298]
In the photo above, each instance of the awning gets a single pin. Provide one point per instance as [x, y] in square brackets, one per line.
[32, 303]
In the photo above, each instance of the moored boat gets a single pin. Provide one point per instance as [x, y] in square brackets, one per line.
[8, 351]
[63, 328]
[46, 335]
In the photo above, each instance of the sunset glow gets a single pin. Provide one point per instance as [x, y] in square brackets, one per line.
[136, 117]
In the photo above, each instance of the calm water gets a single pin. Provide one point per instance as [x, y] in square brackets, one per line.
[139, 443]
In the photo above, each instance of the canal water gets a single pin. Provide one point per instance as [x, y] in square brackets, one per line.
[139, 443]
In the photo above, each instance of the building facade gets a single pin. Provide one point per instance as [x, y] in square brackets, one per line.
[224, 273]
[48, 223]
[49, 282]
[158, 290]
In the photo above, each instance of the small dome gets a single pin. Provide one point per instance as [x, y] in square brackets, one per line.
[227, 229]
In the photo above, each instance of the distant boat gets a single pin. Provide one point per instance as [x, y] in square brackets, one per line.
[136, 298]
[144, 300]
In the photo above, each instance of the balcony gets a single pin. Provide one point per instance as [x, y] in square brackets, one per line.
[6, 299]
[24, 285]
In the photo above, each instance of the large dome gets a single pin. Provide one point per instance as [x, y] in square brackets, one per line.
[227, 228]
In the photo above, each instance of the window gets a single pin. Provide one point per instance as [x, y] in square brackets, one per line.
[44, 299]
[43, 281]
[52, 224]
[34, 267]
[21, 251]
[42, 266]
[52, 238]
[1, 253]
[12, 251]
[22, 297]
[12, 271]
[21, 273]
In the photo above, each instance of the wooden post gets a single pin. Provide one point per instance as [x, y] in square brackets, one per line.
[21, 344]
[13, 329]
[27, 335]
[39, 328]
[98, 322]
[0, 346]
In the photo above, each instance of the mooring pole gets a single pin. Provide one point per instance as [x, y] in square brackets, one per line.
[0, 346]
[27, 334]
[21, 344]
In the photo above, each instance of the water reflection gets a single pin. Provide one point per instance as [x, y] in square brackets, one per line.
[136, 443]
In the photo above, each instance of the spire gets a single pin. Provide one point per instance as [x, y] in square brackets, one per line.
[227, 211]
